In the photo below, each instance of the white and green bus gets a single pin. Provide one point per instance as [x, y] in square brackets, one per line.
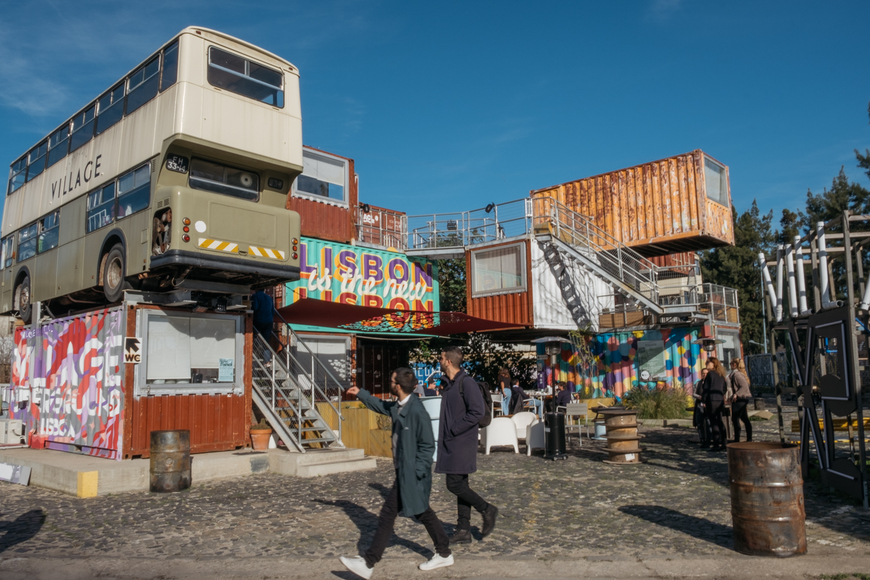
[179, 172]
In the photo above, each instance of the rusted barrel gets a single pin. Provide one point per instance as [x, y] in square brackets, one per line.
[170, 460]
[767, 499]
[623, 442]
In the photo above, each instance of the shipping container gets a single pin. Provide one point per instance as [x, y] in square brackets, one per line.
[326, 196]
[98, 383]
[502, 293]
[678, 204]
[379, 226]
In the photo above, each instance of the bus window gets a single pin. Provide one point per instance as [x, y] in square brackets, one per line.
[134, 191]
[143, 84]
[48, 232]
[111, 108]
[244, 77]
[170, 66]
[17, 174]
[36, 160]
[219, 178]
[7, 251]
[57, 145]
[82, 128]
[101, 206]
[27, 242]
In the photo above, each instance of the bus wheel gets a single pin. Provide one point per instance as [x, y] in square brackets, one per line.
[22, 300]
[113, 274]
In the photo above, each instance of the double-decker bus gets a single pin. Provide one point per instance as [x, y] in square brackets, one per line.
[179, 172]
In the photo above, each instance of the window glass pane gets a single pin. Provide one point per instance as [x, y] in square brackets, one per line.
[36, 160]
[48, 232]
[101, 207]
[7, 251]
[210, 176]
[57, 145]
[716, 181]
[83, 129]
[246, 78]
[134, 191]
[27, 242]
[184, 350]
[110, 108]
[17, 174]
[170, 66]
[498, 270]
[143, 85]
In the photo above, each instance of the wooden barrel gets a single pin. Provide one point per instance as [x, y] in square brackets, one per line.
[170, 460]
[623, 442]
[767, 499]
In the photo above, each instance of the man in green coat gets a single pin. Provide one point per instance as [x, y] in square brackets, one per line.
[413, 446]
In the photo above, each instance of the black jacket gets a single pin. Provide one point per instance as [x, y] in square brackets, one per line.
[458, 426]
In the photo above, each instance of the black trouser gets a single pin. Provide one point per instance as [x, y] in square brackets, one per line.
[387, 521]
[703, 425]
[717, 427]
[739, 413]
[457, 484]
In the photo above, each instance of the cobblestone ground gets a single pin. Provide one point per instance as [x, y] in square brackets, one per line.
[676, 503]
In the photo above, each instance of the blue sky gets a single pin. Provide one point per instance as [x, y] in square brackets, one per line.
[446, 106]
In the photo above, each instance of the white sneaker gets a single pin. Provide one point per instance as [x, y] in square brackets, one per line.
[437, 562]
[358, 566]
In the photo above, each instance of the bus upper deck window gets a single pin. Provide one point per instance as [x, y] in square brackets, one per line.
[82, 128]
[244, 77]
[110, 108]
[57, 145]
[210, 176]
[36, 160]
[170, 66]
[17, 174]
[143, 84]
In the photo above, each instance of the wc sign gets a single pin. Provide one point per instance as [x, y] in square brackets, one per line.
[132, 350]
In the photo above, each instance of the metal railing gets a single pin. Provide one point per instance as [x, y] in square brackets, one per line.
[719, 303]
[380, 227]
[478, 226]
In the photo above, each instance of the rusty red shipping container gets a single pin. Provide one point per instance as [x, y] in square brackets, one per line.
[678, 204]
[326, 219]
[512, 307]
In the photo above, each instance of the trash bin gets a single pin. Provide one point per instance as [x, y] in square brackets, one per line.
[554, 436]
[170, 460]
[767, 499]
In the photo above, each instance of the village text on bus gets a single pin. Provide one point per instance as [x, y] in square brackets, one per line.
[179, 172]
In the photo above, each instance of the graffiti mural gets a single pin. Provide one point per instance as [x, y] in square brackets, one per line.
[668, 354]
[72, 398]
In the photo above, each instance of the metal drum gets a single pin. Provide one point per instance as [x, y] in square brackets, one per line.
[433, 407]
[767, 499]
[170, 460]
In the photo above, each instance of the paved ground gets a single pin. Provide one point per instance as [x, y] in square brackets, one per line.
[669, 517]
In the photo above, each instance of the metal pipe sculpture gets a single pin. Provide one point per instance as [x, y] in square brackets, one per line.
[779, 277]
[768, 283]
[792, 284]
[801, 278]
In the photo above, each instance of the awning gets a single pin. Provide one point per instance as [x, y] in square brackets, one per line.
[363, 319]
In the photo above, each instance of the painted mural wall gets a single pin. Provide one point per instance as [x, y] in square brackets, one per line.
[363, 276]
[72, 398]
[668, 355]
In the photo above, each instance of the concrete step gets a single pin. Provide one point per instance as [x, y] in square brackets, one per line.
[333, 467]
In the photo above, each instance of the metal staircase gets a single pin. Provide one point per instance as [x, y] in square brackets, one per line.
[297, 394]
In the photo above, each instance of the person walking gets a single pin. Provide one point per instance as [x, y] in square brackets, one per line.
[740, 399]
[715, 386]
[413, 446]
[462, 407]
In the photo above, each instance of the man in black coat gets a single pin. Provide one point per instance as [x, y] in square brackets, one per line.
[413, 445]
[462, 407]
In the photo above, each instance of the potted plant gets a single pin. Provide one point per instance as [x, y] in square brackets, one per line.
[260, 434]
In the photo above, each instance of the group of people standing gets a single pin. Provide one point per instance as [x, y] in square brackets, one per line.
[462, 408]
[713, 393]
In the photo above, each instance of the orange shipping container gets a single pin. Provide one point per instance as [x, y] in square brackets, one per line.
[678, 204]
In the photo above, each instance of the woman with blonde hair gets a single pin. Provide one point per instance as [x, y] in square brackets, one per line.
[740, 400]
[715, 386]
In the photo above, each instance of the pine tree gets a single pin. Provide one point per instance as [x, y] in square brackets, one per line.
[864, 160]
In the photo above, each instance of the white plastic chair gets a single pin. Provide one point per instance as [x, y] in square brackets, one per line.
[521, 420]
[535, 436]
[498, 400]
[501, 431]
[575, 411]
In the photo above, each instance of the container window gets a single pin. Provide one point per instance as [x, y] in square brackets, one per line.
[101, 207]
[7, 245]
[36, 160]
[110, 108]
[244, 77]
[134, 191]
[58, 144]
[17, 174]
[27, 242]
[716, 179]
[82, 128]
[143, 84]
[223, 179]
[323, 177]
[499, 270]
[48, 232]
[170, 66]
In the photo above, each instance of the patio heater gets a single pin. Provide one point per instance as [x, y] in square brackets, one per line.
[554, 423]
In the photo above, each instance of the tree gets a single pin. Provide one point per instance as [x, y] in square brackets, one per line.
[737, 267]
[791, 224]
[864, 160]
[831, 204]
[451, 284]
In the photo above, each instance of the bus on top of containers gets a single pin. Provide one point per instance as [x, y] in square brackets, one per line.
[180, 171]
